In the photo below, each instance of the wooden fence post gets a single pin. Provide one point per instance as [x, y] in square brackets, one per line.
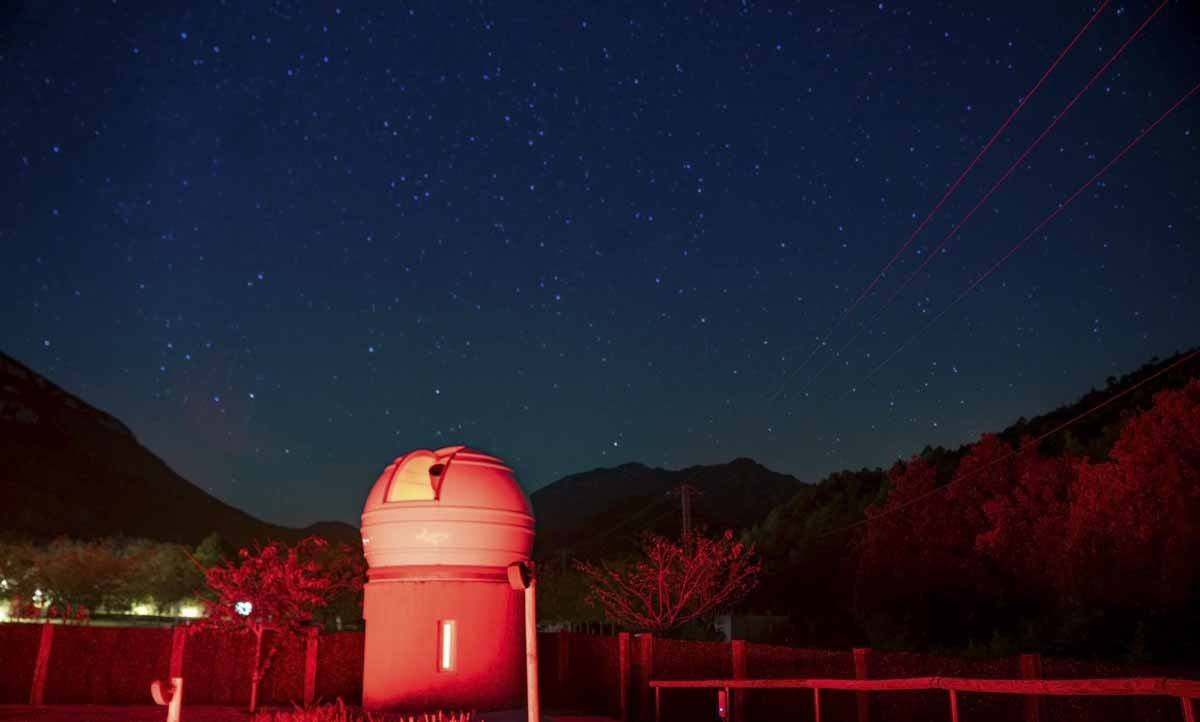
[646, 656]
[564, 659]
[310, 665]
[179, 635]
[1031, 668]
[953, 706]
[623, 673]
[41, 667]
[737, 706]
[1189, 710]
[862, 670]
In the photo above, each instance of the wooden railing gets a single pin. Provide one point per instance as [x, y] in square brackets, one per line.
[1184, 689]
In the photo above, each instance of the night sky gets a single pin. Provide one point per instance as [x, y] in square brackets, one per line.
[286, 242]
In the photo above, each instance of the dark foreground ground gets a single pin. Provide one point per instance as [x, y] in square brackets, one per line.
[106, 713]
[200, 713]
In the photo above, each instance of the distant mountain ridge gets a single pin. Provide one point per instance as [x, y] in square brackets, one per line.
[70, 469]
[603, 511]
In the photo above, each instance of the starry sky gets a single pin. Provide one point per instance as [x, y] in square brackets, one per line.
[288, 241]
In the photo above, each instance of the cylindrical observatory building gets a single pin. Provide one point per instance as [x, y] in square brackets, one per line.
[444, 627]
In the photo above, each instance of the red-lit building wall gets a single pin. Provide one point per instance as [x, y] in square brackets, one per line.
[403, 656]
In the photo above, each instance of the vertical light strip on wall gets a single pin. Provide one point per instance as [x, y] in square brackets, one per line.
[446, 652]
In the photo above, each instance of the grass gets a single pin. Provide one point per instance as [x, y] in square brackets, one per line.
[339, 712]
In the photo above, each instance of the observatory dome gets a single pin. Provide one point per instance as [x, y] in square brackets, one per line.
[455, 506]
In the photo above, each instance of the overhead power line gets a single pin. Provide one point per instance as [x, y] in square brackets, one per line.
[1004, 176]
[1062, 205]
[945, 196]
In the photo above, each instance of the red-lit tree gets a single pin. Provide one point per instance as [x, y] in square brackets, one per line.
[894, 574]
[277, 589]
[674, 582]
[1132, 534]
[919, 574]
[1025, 537]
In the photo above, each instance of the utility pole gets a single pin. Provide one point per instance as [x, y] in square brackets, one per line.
[686, 491]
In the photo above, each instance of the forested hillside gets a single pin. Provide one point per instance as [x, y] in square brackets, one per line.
[72, 470]
[1083, 543]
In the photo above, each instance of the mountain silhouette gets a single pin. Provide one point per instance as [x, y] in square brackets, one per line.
[603, 512]
[70, 469]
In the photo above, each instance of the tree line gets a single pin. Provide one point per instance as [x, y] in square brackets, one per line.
[1083, 543]
[79, 580]
[1076, 547]
[70, 578]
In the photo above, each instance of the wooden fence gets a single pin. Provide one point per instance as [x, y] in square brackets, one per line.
[641, 665]
[1185, 691]
[596, 674]
[77, 664]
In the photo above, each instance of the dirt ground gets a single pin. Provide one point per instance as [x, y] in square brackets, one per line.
[105, 713]
[199, 713]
